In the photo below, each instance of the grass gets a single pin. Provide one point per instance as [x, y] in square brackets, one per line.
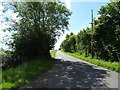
[53, 52]
[2, 52]
[16, 77]
[114, 66]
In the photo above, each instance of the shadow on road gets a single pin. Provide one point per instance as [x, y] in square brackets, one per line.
[75, 74]
[67, 74]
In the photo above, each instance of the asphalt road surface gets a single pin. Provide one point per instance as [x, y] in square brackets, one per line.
[70, 72]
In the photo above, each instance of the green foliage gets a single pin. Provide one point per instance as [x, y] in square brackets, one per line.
[84, 41]
[106, 32]
[69, 45]
[36, 32]
[114, 66]
[2, 52]
[15, 77]
[103, 42]
[53, 53]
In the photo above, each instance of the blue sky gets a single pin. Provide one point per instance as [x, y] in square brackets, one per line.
[80, 18]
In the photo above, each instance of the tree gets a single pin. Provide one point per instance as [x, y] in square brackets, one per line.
[69, 44]
[106, 37]
[83, 41]
[40, 24]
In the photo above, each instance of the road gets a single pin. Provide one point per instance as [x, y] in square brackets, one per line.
[71, 72]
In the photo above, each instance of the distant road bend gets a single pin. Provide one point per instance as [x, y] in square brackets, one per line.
[71, 72]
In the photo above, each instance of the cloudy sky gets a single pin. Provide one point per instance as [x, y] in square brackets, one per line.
[80, 18]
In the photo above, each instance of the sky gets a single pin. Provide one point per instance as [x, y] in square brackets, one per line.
[80, 18]
[5, 36]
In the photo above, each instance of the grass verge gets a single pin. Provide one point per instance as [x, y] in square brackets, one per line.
[114, 66]
[53, 52]
[2, 52]
[16, 77]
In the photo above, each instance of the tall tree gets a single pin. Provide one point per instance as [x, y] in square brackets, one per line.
[40, 24]
[69, 44]
[106, 37]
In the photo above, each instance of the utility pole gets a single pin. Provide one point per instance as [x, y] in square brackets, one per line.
[92, 53]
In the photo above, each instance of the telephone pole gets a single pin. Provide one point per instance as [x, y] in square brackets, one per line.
[92, 53]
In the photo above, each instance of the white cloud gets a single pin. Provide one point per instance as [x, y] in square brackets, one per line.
[61, 38]
[68, 4]
[76, 32]
[1, 7]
